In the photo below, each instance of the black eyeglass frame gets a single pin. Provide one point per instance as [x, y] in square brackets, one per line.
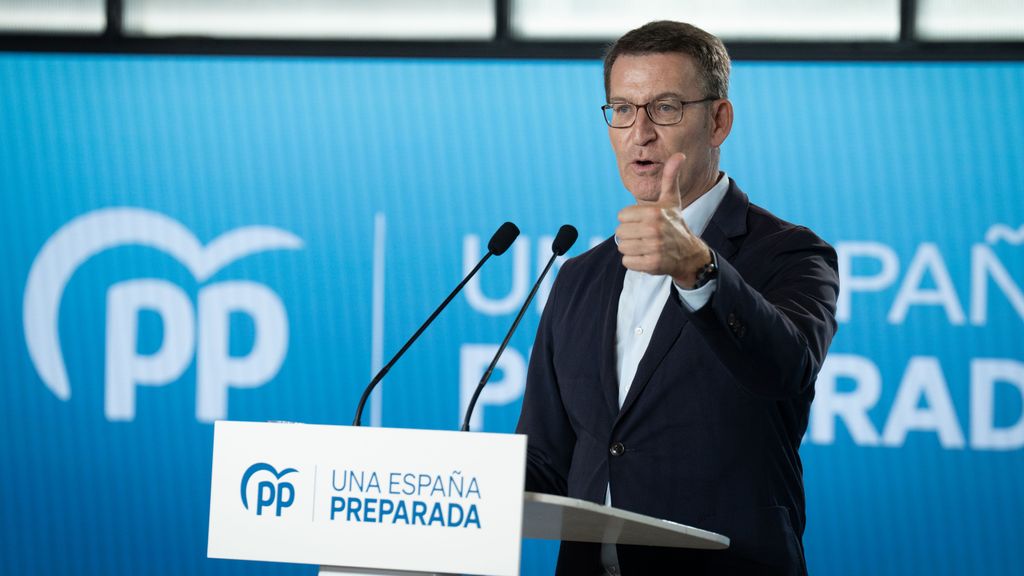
[645, 106]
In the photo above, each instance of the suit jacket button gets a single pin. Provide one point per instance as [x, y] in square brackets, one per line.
[617, 449]
[731, 320]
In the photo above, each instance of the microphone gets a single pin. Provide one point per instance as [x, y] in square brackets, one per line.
[503, 237]
[564, 240]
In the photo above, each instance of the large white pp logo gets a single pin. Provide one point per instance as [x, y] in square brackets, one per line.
[216, 370]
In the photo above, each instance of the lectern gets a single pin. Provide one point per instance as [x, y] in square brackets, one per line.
[393, 501]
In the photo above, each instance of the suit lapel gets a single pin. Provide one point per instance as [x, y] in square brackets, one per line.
[666, 332]
[609, 371]
[728, 222]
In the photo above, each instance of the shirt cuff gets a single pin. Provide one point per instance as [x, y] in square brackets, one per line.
[698, 298]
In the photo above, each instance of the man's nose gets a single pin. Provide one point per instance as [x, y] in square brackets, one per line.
[643, 130]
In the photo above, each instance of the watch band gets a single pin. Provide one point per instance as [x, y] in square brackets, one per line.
[708, 272]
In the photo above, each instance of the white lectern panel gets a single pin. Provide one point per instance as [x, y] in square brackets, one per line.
[379, 498]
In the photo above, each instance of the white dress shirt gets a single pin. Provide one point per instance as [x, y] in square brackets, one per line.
[640, 303]
[644, 295]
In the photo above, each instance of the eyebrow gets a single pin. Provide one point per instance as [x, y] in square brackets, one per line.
[660, 96]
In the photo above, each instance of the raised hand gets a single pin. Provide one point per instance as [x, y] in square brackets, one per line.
[653, 237]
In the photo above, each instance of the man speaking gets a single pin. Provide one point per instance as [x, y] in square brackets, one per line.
[674, 365]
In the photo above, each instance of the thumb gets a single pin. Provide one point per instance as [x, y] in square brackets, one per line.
[669, 196]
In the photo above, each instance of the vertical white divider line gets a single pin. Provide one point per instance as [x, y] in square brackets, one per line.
[377, 336]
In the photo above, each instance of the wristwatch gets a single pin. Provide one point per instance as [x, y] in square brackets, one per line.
[708, 272]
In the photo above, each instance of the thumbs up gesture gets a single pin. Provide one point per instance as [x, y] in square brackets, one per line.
[653, 238]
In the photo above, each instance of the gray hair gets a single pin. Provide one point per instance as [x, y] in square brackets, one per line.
[666, 36]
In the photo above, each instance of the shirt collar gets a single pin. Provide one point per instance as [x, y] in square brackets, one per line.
[699, 213]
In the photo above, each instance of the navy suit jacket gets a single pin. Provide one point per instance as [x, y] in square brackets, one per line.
[709, 431]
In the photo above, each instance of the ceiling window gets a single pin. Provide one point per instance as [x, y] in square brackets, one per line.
[53, 16]
[820, 20]
[313, 19]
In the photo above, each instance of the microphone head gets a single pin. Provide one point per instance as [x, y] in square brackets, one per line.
[564, 240]
[503, 237]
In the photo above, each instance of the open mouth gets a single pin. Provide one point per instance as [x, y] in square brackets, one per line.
[644, 165]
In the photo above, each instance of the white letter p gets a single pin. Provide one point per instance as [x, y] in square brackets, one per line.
[125, 367]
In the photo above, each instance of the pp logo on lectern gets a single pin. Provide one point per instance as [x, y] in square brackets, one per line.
[199, 331]
[271, 492]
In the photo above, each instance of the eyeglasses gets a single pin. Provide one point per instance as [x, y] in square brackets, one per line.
[664, 112]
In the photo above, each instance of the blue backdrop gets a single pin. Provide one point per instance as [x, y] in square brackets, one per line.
[191, 238]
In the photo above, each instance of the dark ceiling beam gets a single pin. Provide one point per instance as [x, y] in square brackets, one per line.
[115, 19]
[908, 20]
[507, 49]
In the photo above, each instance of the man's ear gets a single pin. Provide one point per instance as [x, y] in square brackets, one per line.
[721, 121]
